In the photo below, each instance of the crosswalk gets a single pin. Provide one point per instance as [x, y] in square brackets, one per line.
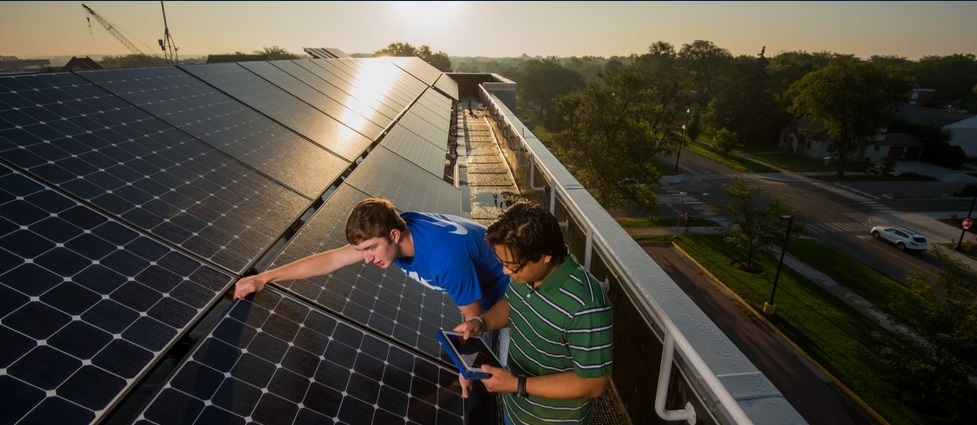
[820, 228]
[675, 200]
[869, 202]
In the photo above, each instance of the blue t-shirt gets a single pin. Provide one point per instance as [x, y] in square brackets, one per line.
[451, 255]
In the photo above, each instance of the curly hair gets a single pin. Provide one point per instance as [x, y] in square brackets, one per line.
[529, 232]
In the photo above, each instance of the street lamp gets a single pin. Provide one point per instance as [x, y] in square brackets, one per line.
[769, 307]
[682, 143]
[964, 231]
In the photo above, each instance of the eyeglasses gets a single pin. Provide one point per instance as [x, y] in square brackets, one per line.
[513, 267]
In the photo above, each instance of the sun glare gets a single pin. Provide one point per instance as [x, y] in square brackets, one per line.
[426, 12]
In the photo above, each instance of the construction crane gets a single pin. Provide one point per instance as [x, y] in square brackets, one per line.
[166, 43]
[111, 29]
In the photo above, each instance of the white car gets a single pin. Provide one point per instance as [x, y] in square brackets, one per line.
[902, 238]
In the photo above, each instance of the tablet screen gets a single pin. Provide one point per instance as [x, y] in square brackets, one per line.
[472, 352]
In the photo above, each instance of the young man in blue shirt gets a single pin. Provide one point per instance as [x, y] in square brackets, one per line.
[444, 252]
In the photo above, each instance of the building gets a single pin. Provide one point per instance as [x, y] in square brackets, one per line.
[898, 146]
[965, 135]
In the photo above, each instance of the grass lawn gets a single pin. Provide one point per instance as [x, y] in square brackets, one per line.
[731, 160]
[837, 336]
[667, 222]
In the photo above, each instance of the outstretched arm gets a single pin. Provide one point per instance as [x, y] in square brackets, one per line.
[314, 265]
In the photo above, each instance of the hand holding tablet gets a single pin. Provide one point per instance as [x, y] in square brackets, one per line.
[468, 355]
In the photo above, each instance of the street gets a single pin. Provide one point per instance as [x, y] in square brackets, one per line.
[811, 393]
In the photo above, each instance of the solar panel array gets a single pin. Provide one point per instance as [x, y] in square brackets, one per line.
[132, 199]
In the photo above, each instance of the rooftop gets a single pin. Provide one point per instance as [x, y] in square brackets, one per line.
[132, 199]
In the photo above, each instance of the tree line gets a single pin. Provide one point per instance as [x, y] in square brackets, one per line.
[631, 109]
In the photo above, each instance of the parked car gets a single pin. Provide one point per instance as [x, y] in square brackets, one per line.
[902, 238]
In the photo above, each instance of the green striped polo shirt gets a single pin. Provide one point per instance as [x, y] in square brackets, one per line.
[564, 324]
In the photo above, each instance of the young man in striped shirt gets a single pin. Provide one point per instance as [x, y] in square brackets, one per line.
[560, 321]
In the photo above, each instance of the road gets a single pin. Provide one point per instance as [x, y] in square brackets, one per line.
[839, 215]
[813, 396]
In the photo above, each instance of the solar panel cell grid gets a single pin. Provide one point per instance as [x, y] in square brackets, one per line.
[73, 346]
[226, 124]
[150, 174]
[274, 360]
[129, 195]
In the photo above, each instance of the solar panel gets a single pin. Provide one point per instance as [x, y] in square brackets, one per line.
[226, 124]
[371, 89]
[88, 304]
[407, 144]
[279, 73]
[418, 68]
[426, 131]
[142, 170]
[274, 360]
[339, 90]
[447, 86]
[270, 100]
[410, 188]
[130, 199]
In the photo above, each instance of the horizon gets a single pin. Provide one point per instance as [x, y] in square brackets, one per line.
[910, 30]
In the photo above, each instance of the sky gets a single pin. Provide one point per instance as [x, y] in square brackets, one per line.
[909, 29]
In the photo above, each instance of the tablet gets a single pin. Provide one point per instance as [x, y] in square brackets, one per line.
[468, 355]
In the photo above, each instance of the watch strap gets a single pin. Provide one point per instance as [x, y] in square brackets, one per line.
[521, 387]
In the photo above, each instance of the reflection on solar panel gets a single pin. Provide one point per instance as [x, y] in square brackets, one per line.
[132, 199]
[142, 170]
[283, 107]
[278, 75]
[403, 142]
[410, 188]
[88, 304]
[226, 124]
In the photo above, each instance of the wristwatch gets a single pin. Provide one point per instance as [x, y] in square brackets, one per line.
[521, 387]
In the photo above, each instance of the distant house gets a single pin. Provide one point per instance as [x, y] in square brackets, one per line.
[921, 97]
[80, 64]
[965, 135]
[961, 125]
[900, 146]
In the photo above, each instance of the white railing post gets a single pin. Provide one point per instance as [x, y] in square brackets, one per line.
[664, 377]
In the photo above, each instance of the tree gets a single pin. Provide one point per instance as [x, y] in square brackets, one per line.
[276, 53]
[952, 78]
[746, 106]
[619, 123]
[937, 349]
[726, 140]
[706, 65]
[788, 67]
[439, 60]
[848, 101]
[752, 224]
[540, 82]
[131, 61]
